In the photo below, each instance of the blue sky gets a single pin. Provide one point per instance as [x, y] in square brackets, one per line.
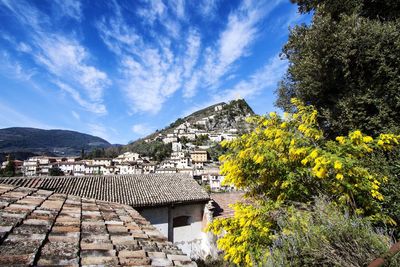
[122, 69]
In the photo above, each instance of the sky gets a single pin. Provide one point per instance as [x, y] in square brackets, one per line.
[122, 69]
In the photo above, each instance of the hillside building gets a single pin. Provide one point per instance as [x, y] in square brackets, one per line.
[199, 156]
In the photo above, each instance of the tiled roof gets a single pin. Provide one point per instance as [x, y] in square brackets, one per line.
[137, 190]
[42, 228]
[222, 203]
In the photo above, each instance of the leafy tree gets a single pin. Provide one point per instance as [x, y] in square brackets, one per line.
[9, 170]
[154, 149]
[216, 151]
[55, 171]
[96, 153]
[184, 140]
[285, 161]
[201, 140]
[347, 64]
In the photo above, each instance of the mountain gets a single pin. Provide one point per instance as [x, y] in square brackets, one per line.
[50, 142]
[220, 117]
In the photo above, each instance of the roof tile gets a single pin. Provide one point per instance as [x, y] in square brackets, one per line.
[138, 190]
[58, 229]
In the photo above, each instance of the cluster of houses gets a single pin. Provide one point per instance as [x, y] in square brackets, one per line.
[199, 128]
[188, 156]
[194, 163]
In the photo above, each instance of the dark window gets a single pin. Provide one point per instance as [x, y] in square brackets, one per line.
[181, 221]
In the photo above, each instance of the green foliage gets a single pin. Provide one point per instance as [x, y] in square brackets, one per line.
[346, 64]
[56, 171]
[96, 153]
[322, 234]
[209, 262]
[201, 140]
[286, 160]
[383, 10]
[156, 150]
[9, 170]
[215, 151]
[184, 140]
[176, 123]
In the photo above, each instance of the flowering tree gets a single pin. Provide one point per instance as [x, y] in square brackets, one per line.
[287, 160]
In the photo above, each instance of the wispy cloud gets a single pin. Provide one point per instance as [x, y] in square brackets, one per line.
[66, 59]
[151, 71]
[9, 117]
[178, 7]
[266, 78]
[23, 47]
[98, 129]
[142, 129]
[76, 115]
[70, 8]
[234, 42]
[12, 68]
[207, 8]
[97, 108]
[61, 55]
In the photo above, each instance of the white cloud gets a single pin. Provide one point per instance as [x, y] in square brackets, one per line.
[99, 130]
[234, 42]
[266, 78]
[96, 108]
[207, 8]
[9, 117]
[12, 68]
[178, 6]
[70, 8]
[62, 56]
[76, 115]
[193, 44]
[157, 12]
[67, 59]
[151, 71]
[142, 129]
[152, 11]
[23, 47]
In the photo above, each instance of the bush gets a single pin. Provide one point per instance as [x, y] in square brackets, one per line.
[325, 236]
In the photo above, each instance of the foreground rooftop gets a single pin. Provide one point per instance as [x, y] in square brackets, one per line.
[40, 227]
[138, 190]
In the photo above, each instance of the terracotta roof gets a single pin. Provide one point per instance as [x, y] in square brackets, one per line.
[137, 190]
[222, 203]
[43, 228]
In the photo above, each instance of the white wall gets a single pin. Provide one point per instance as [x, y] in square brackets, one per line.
[188, 238]
[158, 217]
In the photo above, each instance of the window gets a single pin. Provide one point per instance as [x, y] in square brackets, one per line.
[181, 221]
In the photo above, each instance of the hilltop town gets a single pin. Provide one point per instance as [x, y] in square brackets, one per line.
[192, 142]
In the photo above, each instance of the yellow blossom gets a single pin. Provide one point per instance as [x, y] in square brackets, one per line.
[337, 165]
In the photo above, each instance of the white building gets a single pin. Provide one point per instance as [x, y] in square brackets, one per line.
[166, 170]
[168, 140]
[102, 161]
[129, 168]
[127, 157]
[176, 147]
